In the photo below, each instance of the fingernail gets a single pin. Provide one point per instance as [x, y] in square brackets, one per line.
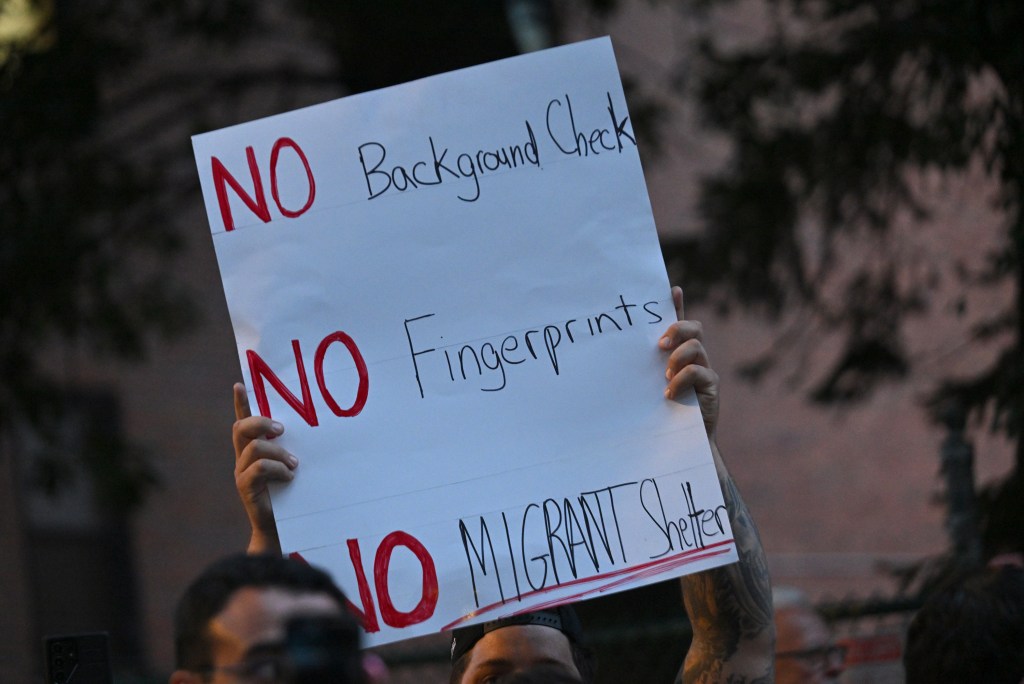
[668, 373]
[292, 461]
[668, 392]
[663, 342]
[277, 427]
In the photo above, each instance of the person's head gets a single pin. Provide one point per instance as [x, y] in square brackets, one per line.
[804, 650]
[550, 639]
[244, 618]
[971, 631]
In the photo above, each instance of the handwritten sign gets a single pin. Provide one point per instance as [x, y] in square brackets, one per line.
[450, 292]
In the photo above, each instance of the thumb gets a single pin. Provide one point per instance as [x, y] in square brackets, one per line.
[677, 301]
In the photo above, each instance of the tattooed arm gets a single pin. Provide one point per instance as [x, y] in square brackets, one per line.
[730, 607]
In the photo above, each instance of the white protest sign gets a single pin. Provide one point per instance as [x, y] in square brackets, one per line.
[450, 292]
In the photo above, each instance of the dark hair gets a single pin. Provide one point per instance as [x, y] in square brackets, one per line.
[210, 592]
[972, 631]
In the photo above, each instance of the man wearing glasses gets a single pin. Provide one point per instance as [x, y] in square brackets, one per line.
[266, 619]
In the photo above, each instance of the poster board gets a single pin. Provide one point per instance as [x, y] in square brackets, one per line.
[450, 292]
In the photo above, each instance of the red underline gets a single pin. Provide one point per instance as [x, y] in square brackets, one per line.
[632, 572]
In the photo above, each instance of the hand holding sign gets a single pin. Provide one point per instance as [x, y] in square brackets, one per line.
[258, 462]
[688, 364]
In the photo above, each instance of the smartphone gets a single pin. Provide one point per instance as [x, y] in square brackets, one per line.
[78, 659]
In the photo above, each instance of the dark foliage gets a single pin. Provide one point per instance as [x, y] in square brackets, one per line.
[831, 117]
[84, 245]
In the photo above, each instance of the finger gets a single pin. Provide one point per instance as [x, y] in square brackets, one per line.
[690, 352]
[254, 427]
[677, 301]
[254, 480]
[262, 455]
[241, 401]
[700, 378]
[260, 447]
[679, 332]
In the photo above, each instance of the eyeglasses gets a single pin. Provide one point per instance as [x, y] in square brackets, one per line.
[314, 649]
[821, 658]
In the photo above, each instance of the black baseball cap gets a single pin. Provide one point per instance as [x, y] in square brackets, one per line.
[562, 618]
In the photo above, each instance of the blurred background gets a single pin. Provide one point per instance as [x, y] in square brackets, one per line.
[837, 186]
